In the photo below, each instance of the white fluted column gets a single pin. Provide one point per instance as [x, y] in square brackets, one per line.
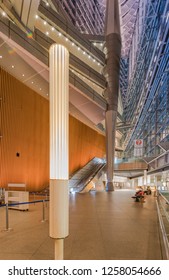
[59, 146]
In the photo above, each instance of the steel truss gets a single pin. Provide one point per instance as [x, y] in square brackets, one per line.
[149, 82]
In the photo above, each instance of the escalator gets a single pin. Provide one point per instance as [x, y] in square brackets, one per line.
[79, 181]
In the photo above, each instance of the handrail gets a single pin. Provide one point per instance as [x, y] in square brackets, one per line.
[94, 174]
[163, 231]
[164, 197]
[165, 212]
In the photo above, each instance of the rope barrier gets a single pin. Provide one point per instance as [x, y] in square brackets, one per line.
[19, 203]
[7, 229]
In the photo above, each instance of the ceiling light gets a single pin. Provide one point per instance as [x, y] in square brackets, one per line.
[0, 56]
[44, 22]
[47, 94]
[98, 63]
[60, 34]
[89, 56]
[66, 39]
[36, 16]
[13, 66]
[84, 53]
[4, 14]
[32, 82]
[47, 4]
[23, 75]
[73, 44]
[40, 89]
[94, 60]
[53, 28]
[47, 33]
[78, 49]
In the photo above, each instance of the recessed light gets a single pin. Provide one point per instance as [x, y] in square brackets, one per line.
[47, 4]
[36, 16]
[13, 66]
[60, 34]
[78, 49]
[47, 94]
[53, 28]
[44, 22]
[0, 56]
[73, 44]
[32, 82]
[66, 39]
[40, 89]
[47, 33]
[23, 75]
[4, 14]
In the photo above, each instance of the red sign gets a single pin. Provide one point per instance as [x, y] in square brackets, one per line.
[139, 142]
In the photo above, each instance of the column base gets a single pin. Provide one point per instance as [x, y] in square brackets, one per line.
[109, 187]
[59, 244]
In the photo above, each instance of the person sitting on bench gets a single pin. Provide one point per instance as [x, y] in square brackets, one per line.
[148, 190]
[139, 195]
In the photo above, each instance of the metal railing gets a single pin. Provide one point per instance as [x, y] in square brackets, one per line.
[9, 205]
[163, 217]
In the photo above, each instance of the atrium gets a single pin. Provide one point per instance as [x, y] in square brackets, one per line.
[90, 117]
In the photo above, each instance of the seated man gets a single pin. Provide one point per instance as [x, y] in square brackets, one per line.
[139, 195]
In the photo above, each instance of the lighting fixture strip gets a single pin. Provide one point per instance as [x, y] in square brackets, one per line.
[70, 40]
[73, 43]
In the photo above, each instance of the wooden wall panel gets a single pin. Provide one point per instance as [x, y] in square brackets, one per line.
[85, 143]
[24, 125]
[25, 130]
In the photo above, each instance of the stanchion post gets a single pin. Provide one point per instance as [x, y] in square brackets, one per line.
[43, 211]
[46, 199]
[7, 220]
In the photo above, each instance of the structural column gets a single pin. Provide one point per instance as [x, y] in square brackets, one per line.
[59, 144]
[111, 72]
[145, 179]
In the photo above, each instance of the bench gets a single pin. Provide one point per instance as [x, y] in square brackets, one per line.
[139, 198]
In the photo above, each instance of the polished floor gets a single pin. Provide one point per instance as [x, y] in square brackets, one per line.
[103, 226]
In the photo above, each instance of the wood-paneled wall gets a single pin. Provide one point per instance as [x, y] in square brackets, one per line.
[24, 145]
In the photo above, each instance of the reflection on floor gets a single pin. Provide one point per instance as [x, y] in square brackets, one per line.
[109, 226]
